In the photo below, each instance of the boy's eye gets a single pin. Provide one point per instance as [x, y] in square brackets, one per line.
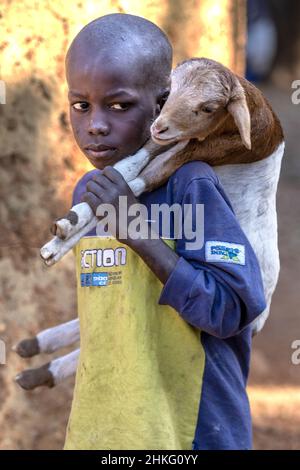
[80, 106]
[120, 106]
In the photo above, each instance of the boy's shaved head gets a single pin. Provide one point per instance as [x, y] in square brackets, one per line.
[129, 40]
[118, 71]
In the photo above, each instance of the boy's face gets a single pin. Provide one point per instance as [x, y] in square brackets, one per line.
[108, 108]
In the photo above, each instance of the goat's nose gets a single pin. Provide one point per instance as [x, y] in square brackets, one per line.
[160, 129]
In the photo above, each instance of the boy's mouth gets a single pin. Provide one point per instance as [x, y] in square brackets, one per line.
[99, 150]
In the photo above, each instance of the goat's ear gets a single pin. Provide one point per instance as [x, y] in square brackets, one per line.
[238, 108]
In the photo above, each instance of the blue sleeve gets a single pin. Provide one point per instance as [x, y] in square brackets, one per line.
[217, 288]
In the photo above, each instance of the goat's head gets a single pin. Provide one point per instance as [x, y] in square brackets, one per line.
[203, 93]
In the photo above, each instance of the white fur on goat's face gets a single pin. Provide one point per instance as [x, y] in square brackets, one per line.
[199, 101]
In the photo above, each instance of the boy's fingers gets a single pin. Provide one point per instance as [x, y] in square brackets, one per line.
[101, 180]
[113, 175]
[91, 200]
[98, 187]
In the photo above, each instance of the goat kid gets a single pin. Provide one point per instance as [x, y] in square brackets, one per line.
[214, 116]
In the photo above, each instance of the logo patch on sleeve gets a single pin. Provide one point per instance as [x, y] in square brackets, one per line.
[224, 252]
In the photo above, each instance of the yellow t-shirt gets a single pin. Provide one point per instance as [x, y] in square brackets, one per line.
[139, 377]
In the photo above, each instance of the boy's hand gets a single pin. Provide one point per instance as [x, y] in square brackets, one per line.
[105, 187]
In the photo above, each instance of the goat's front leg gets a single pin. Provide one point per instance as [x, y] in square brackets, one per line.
[80, 219]
[159, 169]
[56, 248]
[50, 340]
[131, 166]
[49, 374]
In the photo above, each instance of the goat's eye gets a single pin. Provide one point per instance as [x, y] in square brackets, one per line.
[207, 109]
[164, 98]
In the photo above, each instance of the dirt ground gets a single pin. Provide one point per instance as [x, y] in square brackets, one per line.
[32, 297]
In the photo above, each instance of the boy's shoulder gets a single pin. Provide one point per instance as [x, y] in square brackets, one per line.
[179, 180]
[196, 181]
[195, 170]
[191, 172]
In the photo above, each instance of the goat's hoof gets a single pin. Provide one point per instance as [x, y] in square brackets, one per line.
[27, 347]
[32, 378]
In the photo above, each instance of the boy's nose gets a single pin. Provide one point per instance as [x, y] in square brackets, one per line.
[98, 126]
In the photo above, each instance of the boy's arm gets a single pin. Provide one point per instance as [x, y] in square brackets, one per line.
[217, 296]
[160, 258]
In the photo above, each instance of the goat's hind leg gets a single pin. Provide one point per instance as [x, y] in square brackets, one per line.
[50, 340]
[49, 374]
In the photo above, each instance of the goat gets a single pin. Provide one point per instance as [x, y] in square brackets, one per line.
[215, 116]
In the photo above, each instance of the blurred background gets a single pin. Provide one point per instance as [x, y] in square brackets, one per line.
[40, 164]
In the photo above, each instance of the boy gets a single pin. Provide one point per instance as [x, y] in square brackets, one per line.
[173, 375]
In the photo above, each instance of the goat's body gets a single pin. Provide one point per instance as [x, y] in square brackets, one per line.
[251, 188]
